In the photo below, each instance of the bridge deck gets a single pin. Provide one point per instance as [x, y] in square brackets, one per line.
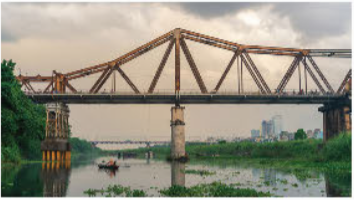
[186, 98]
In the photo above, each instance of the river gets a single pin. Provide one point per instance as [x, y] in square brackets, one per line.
[57, 179]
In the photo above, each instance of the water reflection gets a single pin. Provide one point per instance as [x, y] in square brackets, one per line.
[178, 176]
[55, 176]
[57, 179]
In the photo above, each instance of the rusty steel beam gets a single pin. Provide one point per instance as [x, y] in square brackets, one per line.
[161, 66]
[271, 53]
[193, 67]
[99, 79]
[121, 57]
[25, 84]
[28, 85]
[126, 78]
[288, 74]
[314, 78]
[47, 88]
[122, 61]
[344, 82]
[320, 74]
[259, 75]
[177, 35]
[70, 87]
[252, 74]
[103, 81]
[228, 67]
[221, 46]
[242, 46]
[37, 78]
[210, 38]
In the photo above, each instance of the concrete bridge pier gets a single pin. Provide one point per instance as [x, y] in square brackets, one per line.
[178, 151]
[56, 146]
[336, 119]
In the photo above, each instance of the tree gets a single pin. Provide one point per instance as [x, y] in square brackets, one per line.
[300, 134]
[22, 121]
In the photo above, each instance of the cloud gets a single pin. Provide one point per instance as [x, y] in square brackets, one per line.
[314, 20]
[42, 37]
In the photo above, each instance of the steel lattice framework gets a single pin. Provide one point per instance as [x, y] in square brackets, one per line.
[176, 38]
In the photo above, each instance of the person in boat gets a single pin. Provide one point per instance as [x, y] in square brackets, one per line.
[111, 163]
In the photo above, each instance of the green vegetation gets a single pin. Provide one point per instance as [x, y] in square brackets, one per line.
[114, 191]
[300, 134]
[215, 189]
[22, 122]
[337, 149]
[80, 147]
[200, 172]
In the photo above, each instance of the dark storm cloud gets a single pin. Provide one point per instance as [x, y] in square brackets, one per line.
[313, 20]
[210, 10]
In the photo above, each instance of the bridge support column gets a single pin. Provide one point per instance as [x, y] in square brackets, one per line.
[178, 151]
[56, 143]
[336, 119]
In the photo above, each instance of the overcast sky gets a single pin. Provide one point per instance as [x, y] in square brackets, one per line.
[41, 37]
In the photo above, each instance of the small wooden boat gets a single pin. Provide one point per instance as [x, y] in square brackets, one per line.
[112, 167]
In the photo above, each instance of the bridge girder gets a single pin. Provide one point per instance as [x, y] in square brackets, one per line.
[177, 38]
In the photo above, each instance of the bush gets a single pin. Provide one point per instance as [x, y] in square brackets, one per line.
[338, 148]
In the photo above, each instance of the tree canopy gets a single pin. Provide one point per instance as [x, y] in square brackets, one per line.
[22, 121]
[300, 134]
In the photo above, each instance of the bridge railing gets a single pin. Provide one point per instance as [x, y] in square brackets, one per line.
[289, 92]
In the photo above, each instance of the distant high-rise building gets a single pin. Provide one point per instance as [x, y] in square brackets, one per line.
[255, 133]
[264, 129]
[267, 129]
[277, 125]
[270, 129]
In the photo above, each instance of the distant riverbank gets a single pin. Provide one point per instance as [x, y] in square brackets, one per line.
[337, 150]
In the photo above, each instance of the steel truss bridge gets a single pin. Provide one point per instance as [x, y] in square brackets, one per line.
[60, 89]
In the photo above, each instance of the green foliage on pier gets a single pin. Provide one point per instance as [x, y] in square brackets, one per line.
[22, 121]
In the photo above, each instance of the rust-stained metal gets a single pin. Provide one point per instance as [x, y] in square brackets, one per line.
[161, 66]
[288, 74]
[70, 87]
[177, 35]
[255, 69]
[121, 57]
[47, 88]
[320, 74]
[207, 42]
[252, 74]
[345, 81]
[58, 82]
[228, 67]
[126, 78]
[193, 67]
[103, 81]
[314, 78]
[104, 73]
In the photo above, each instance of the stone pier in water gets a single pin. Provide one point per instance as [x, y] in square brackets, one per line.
[178, 150]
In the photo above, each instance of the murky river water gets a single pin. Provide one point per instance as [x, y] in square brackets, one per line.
[152, 175]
